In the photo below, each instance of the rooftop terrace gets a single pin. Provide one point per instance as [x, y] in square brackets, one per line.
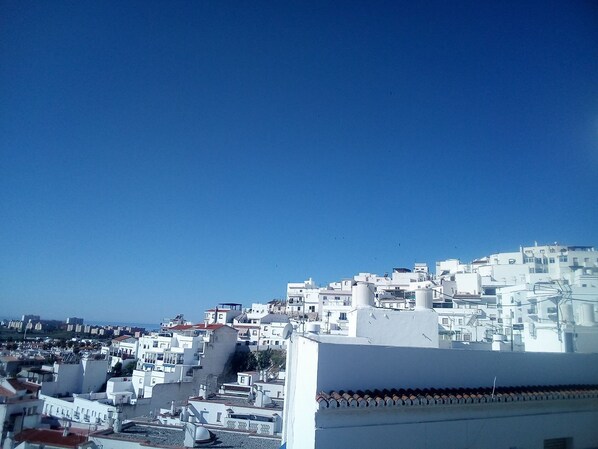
[160, 436]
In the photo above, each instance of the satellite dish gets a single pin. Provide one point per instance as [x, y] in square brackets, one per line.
[287, 331]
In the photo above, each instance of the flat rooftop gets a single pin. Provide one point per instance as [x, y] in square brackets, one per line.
[239, 401]
[160, 436]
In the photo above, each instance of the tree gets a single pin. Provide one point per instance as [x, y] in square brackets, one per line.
[263, 359]
[278, 359]
[116, 370]
[128, 370]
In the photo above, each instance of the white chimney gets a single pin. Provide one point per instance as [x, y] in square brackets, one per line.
[423, 299]
[9, 441]
[363, 294]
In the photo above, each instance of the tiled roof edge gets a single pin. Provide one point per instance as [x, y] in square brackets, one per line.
[443, 396]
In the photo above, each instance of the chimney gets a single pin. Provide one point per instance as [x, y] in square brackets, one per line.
[9, 441]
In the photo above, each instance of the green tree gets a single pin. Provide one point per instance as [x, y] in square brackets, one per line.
[278, 359]
[128, 370]
[116, 370]
[263, 359]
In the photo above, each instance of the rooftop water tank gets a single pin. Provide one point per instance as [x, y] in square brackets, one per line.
[423, 299]
[312, 328]
[586, 315]
[363, 294]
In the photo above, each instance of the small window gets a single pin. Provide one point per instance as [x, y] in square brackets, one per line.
[551, 260]
[445, 321]
[218, 416]
[558, 443]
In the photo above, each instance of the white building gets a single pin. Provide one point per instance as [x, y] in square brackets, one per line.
[94, 410]
[72, 374]
[168, 357]
[122, 350]
[371, 390]
[271, 330]
[302, 299]
[543, 298]
[224, 313]
[247, 405]
[20, 406]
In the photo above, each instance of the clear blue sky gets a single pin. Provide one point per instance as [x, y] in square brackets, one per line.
[160, 157]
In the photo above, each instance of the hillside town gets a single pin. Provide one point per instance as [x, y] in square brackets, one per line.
[509, 339]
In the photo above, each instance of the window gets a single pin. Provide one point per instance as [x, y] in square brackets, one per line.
[551, 260]
[312, 308]
[528, 260]
[575, 261]
[445, 321]
[538, 260]
[218, 416]
[342, 316]
[558, 443]
[562, 258]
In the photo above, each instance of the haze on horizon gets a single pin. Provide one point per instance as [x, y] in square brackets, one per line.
[158, 158]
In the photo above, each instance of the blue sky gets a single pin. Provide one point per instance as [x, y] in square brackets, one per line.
[160, 157]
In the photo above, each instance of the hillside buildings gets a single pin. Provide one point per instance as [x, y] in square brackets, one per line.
[20, 406]
[410, 357]
[368, 389]
[539, 298]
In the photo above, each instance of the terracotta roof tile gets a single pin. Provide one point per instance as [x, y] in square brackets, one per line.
[432, 396]
[122, 338]
[6, 393]
[50, 438]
